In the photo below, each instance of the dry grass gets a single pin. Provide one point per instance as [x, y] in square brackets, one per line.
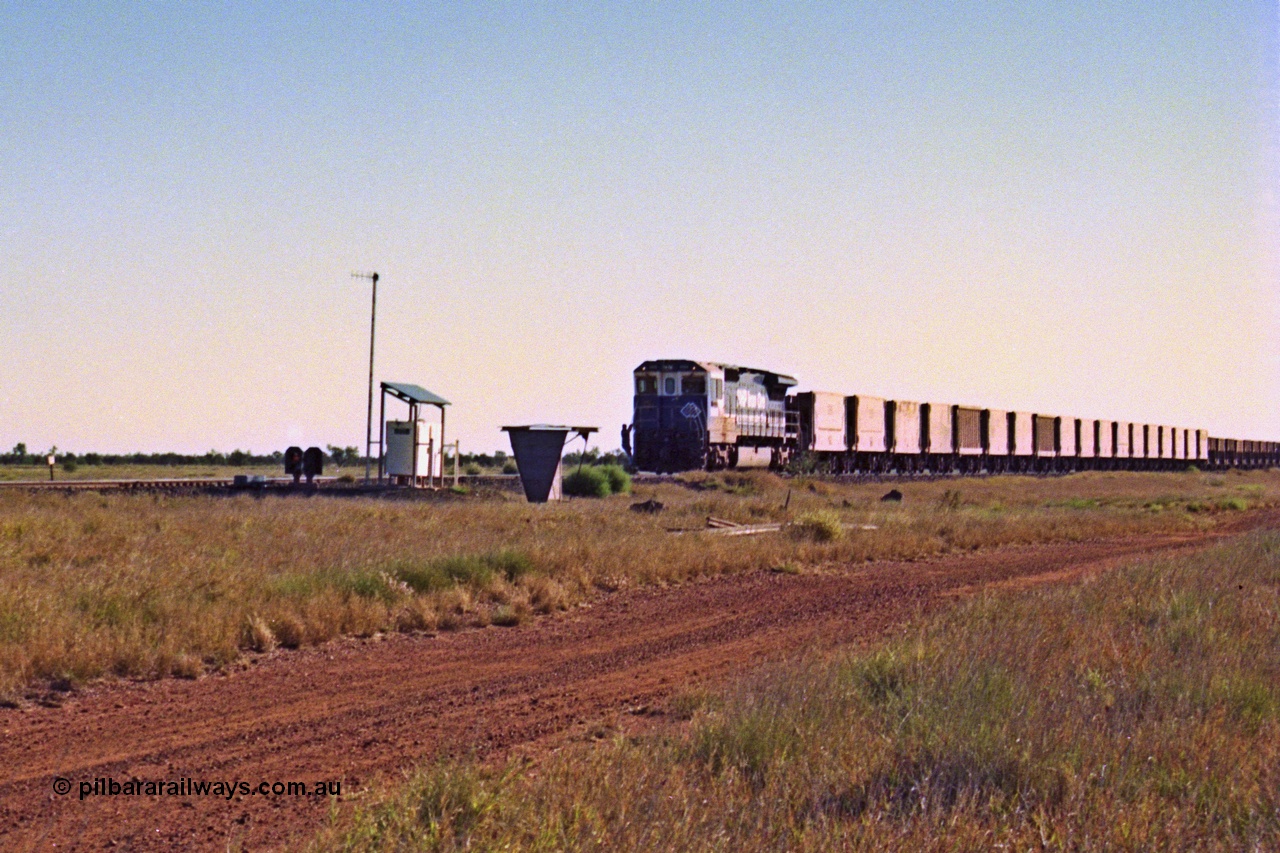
[1140, 711]
[146, 586]
[142, 472]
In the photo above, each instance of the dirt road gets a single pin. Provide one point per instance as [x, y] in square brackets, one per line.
[355, 710]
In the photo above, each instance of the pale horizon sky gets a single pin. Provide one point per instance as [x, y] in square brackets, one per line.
[1062, 208]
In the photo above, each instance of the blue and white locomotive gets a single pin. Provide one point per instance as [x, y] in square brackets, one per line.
[697, 414]
[693, 415]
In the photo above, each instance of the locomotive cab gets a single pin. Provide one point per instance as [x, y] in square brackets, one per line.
[691, 415]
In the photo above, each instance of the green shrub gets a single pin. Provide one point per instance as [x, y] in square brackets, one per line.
[69, 465]
[509, 467]
[471, 469]
[588, 482]
[619, 479]
[597, 481]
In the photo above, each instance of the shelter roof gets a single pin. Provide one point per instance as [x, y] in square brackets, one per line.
[580, 430]
[413, 393]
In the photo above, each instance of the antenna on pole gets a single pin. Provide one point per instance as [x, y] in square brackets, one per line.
[368, 423]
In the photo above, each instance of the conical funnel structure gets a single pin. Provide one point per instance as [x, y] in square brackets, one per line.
[538, 448]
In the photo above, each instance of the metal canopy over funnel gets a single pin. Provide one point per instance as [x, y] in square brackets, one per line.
[537, 449]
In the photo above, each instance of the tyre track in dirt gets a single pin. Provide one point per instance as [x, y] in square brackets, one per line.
[356, 710]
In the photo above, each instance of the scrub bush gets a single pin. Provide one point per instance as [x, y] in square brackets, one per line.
[587, 483]
[619, 479]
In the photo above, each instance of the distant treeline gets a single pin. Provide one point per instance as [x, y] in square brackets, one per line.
[595, 457]
[19, 455]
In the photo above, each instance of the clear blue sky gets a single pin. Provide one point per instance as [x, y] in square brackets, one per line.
[1067, 208]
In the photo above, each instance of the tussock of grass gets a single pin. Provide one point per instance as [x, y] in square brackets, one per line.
[423, 576]
[818, 526]
[1138, 711]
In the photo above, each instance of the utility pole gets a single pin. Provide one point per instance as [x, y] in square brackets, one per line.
[368, 423]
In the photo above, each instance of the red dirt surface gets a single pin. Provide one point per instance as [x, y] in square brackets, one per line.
[359, 710]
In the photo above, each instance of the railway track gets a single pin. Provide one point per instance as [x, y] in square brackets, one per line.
[331, 485]
[228, 485]
[117, 485]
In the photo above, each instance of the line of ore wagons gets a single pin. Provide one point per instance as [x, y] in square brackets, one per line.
[702, 414]
[858, 432]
